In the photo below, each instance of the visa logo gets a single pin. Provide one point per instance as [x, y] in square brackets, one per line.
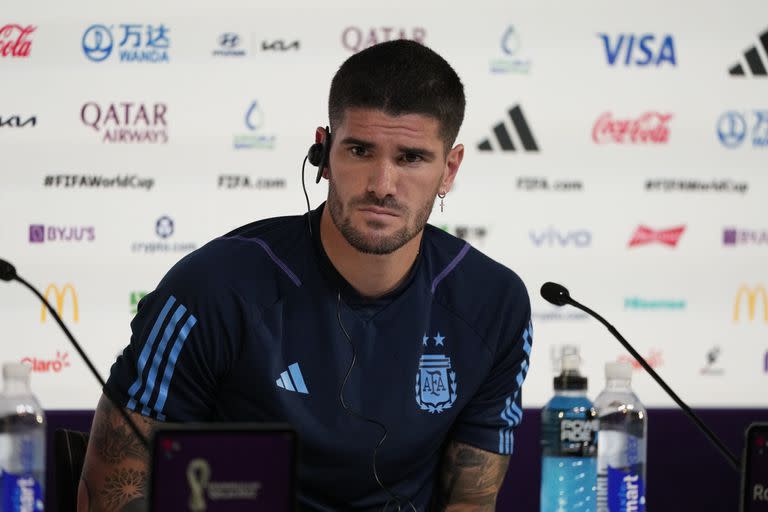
[553, 237]
[639, 49]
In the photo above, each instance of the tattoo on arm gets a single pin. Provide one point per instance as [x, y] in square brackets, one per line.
[122, 486]
[114, 440]
[469, 479]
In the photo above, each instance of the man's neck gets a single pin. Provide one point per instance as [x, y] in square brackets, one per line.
[372, 275]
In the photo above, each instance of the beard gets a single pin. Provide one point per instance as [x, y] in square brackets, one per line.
[374, 243]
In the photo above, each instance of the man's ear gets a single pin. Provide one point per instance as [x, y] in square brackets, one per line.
[452, 164]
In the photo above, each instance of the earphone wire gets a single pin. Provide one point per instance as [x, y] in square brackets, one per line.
[306, 196]
[392, 496]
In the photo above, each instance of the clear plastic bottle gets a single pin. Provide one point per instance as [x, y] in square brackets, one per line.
[22, 443]
[568, 442]
[621, 445]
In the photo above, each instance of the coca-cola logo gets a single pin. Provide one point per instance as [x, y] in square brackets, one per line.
[653, 359]
[40, 365]
[14, 40]
[127, 122]
[645, 235]
[649, 128]
[356, 38]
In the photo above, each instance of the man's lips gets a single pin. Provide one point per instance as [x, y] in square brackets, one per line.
[379, 211]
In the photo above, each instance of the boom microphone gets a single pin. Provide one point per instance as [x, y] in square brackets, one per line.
[8, 273]
[559, 296]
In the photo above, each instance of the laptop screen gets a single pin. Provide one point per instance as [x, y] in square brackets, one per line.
[223, 467]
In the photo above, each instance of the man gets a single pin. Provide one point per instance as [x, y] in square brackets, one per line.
[440, 333]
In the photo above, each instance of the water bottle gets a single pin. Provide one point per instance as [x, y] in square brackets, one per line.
[568, 442]
[621, 444]
[22, 443]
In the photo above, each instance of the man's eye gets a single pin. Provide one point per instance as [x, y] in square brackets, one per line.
[412, 158]
[358, 151]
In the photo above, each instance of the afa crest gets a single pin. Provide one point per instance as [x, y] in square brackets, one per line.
[435, 380]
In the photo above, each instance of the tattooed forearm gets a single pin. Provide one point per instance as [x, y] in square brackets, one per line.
[122, 486]
[469, 479]
[114, 440]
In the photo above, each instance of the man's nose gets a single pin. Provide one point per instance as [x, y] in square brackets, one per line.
[383, 179]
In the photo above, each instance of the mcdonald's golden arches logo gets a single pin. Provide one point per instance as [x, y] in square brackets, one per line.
[60, 294]
[751, 294]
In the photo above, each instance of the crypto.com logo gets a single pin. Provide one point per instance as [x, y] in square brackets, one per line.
[751, 294]
[60, 294]
[56, 365]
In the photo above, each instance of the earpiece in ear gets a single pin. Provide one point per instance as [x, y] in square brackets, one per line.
[318, 154]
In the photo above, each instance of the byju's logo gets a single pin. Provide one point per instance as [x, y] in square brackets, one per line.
[639, 50]
[135, 42]
[502, 138]
[16, 121]
[127, 122]
[60, 294]
[552, 237]
[649, 128]
[511, 62]
[254, 120]
[39, 233]
[751, 295]
[15, 40]
[355, 38]
[229, 46]
[755, 63]
[645, 235]
[165, 228]
[734, 128]
[41, 365]
[734, 236]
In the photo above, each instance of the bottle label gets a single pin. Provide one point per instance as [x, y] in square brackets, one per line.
[626, 491]
[20, 493]
[577, 437]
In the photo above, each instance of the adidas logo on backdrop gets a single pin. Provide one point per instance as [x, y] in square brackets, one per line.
[292, 380]
[502, 135]
[756, 62]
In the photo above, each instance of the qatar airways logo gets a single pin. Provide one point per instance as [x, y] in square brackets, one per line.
[355, 39]
[14, 40]
[649, 128]
[127, 122]
[40, 365]
[645, 235]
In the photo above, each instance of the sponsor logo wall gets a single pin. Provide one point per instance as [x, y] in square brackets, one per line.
[627, 160]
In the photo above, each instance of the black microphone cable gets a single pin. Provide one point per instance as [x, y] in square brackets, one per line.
[392, 496]
[8, 273]
[306, 196]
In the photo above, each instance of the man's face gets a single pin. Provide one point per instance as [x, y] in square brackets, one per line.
[385, 172]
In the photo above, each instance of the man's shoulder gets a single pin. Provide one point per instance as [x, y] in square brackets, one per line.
[252, 255]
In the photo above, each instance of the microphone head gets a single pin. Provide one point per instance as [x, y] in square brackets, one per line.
[7, 271]
[555, 294]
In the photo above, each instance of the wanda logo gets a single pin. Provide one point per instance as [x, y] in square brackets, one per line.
[14, 40]
[48, 365]
[645, 235]
[649, 128]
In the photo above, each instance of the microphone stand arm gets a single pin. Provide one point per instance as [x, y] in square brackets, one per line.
[732, 460]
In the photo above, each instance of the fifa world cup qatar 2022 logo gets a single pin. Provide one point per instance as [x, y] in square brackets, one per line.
[14, 40]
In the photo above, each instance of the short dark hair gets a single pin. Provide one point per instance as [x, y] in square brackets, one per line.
[400, 77]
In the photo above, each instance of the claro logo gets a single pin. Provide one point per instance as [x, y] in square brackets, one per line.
[39, 365]
[751, 294]
[60, 294]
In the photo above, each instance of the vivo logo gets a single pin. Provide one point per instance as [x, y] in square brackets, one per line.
[552, 237]
[639, 49]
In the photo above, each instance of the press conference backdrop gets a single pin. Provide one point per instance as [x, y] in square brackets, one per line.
[620, 149]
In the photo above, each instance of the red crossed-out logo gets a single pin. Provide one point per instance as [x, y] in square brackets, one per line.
[649, 128]
[48, 365]
[645, 235]
[14, 40]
